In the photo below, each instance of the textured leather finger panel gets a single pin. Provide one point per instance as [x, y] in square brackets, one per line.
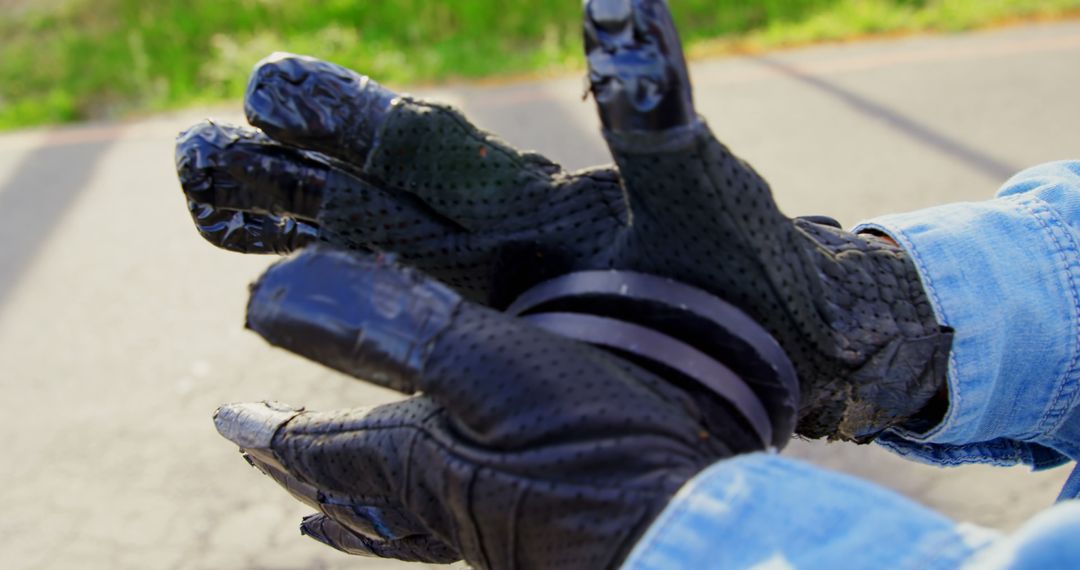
[360, 453]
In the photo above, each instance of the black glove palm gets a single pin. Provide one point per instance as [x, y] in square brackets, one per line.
[394, 174]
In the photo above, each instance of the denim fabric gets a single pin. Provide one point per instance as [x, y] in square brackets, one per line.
[768, 512]
[1047, 541]
[1005, 274]
[764, 511]
[1072, 486]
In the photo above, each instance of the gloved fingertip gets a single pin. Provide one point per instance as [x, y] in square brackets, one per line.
[252, 426]
[198, 149]
[312, 527]
[317, 105]
[609, 14]
[637, 70]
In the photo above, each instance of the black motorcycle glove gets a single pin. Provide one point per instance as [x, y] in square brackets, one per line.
[341, 159]
[525, 449]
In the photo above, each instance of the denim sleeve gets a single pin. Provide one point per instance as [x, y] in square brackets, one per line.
[1005, 274]
[771, 513]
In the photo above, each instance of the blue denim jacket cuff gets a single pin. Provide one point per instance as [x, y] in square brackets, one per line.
[766, 511]
[1004, 274]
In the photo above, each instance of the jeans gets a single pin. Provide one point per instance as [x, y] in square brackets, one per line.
[1005, 275]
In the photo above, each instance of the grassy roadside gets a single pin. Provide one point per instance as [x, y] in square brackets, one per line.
[68, 60]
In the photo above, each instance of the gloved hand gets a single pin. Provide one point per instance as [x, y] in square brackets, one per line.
[343, 160]
[525, 449]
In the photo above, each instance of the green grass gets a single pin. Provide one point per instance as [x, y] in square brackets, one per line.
[69, 60]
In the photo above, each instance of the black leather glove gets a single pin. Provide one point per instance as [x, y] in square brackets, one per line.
[341, 159]
[525, 450]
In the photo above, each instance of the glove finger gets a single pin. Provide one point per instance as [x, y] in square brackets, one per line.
[361, 315]
[418, 548]
[382, 518]
[250, 194]
[235, 168]
[637, 71]
[428, 150]
[670, 163]
[672, 166]
[393, 326]
[317, 105]
[346, 464]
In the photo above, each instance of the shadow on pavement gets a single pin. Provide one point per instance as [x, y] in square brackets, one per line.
[971, 157]
[32, 203]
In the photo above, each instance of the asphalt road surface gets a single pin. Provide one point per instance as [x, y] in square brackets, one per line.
[120, 330]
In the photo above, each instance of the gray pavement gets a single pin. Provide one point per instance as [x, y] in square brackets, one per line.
[120, 330]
